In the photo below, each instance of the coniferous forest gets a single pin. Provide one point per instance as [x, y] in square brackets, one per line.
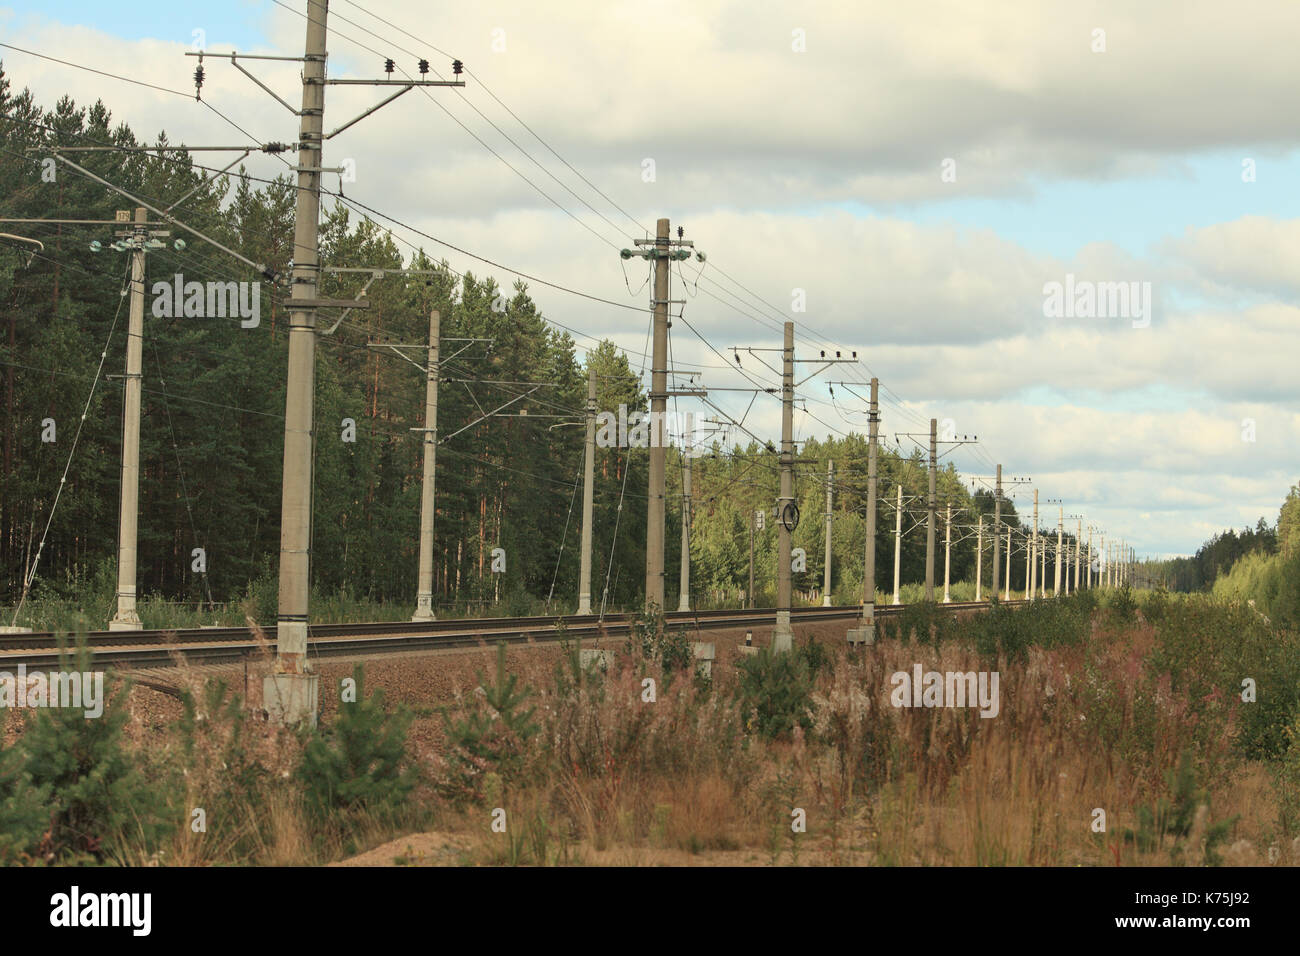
[213, 412]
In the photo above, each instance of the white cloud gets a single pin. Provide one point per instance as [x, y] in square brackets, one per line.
[754, 144]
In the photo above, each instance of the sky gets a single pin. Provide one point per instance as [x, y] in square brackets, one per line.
[906, 181]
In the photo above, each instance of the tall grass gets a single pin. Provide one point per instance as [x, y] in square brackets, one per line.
[1102, 699]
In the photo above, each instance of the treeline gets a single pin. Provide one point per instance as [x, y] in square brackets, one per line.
[1218, 556]
[213, 418]
[213, 404]
[1260, 565]
[1214, 558]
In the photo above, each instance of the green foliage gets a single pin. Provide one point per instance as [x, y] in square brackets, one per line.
[817, 657]
[360, 760]
[1002, 629]
[1208, 649]
[98, 796]
[1121, 604]
[775, 692]
[671, 648]
[1154, 605]
[519, 603]
[492, 739]
[1047, 622]
[647, 627]
[1268, 583]
[23, 807]
[1216, 557]
[1172, 818]
[676, 652]
[1288, 523]
[925, 622]
[1287, 774]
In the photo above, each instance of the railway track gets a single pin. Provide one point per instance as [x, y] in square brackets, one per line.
[231, 645]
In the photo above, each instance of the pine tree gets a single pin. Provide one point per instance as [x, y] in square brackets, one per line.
[493, 739]
[361, 759]
[99, 797]
[23, 807]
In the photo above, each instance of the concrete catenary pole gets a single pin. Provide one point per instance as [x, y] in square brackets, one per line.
[588, 495]
[929, 534]
[979, 557]
[294, 688]
[1088, 563]
[1066, 577]
[898, 541]
[1078, 547]
[684, 588]
[1029, 566]
[997, 531]
[126, 618]
[1007, 584]
[1042, 561]
[654, 534]
[782, 635]
[830, 518]
[869, 559]
[424, 591]
[947, 551]
[1033, 553]
[1060, 528]
[753, 517]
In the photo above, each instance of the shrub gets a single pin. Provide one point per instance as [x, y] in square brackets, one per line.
[926, 623]
[1172, 819]
[776, 692]
[654, 642]
[23, 813]
[360, 760]
[1047, 622]
[1288, 781]
[1122, 605]
[493, 738]
[98, 796]
[1209, 649]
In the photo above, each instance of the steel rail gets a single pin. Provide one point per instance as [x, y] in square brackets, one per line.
[159, 648]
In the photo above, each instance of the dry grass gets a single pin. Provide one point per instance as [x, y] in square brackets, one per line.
[615, 780]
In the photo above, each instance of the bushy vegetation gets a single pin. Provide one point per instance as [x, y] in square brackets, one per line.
[657, 643]
[1269, 583]
[359, 761]
[23, 813]
[1180, 820]
[98, 798]
[1128, 702]
[775, 692]
[488, 741]
[1216, 654]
